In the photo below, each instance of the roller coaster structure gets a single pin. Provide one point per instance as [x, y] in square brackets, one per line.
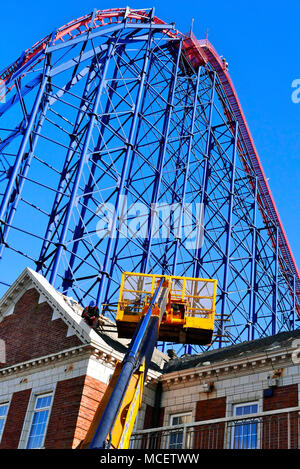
[124, 148]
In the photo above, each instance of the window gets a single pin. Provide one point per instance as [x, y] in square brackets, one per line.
[245, 432]
[39, 421]
[176, 436]
[3, 414]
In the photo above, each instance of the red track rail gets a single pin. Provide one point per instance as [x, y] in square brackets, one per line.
[80, 26]
[198, 52]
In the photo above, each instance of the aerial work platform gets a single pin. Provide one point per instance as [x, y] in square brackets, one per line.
[189, 310]
[150, 308]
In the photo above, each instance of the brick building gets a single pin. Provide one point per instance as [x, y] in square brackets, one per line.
[54, 370]
[242, 396]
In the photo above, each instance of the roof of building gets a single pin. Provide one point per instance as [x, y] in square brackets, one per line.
[282, 340]
[158, 361]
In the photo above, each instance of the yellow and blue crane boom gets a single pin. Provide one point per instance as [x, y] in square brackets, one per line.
[115, 417]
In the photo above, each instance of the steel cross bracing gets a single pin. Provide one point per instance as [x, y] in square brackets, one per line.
[108, 125]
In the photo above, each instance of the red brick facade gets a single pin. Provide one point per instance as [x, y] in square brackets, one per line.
[211, 409]
[15, 419]
[64, 413]
[92, 393]
[30, 332]
[75, 403]
[286, 426]
[283, 397]
[148, 420]
[155, 440]
[210, 436]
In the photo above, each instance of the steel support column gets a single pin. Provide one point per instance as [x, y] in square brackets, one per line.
[104, 272]
[22, 178]
[251, 322]
[186, 172]
[65, 170]
[208, 147]
[161, 160]
[81, 163]
[22, 148]
[78, 231]
[275, 285]
[224, 294]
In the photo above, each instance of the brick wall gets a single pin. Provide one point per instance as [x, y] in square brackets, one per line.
[211, 409]
[151, 441]
[210, 436]
[148, 420]
[64, 413]
[74, 404]
[281, 431]
[15, 419]
[92, 393]
[30, 332]
[148, 417]
[283, 396]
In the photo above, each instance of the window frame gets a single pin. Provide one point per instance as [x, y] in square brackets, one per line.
[234, 426]
[172, 416]
[36, 396]
[3, 403]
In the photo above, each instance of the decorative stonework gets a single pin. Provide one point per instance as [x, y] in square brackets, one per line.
[42, 361]
[225, 370]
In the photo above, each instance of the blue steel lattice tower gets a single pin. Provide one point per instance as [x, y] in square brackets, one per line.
[124, 148]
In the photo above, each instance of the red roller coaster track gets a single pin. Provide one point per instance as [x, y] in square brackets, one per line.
[199, 52]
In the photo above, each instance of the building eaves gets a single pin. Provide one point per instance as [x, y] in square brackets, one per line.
[281, 341]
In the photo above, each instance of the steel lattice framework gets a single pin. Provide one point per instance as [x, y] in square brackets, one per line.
[116, 112]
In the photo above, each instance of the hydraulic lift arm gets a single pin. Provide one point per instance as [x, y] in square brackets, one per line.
[114, 420]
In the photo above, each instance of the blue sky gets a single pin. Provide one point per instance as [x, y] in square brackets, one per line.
[260, 40]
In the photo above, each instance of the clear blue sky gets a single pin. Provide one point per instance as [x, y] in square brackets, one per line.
[260, 40]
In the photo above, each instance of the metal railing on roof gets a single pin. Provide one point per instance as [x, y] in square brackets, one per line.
[277, 429]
